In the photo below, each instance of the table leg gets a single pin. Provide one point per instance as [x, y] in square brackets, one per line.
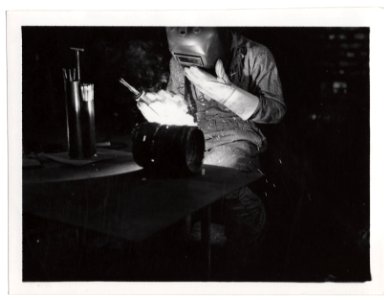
[206, 238]
[187, 227]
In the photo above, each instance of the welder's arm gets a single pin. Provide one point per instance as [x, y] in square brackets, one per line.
[220, 89]
[271, 107]
[243, 103]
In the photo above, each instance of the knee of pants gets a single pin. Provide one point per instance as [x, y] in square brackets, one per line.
[238, 155]
[245, 215]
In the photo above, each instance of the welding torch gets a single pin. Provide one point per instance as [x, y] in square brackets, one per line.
[140, 96]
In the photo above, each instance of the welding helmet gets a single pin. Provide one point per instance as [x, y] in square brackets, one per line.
[195, 46]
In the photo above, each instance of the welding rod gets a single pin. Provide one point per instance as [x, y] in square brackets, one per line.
[87, 91]
[71, 75]
[65, 74]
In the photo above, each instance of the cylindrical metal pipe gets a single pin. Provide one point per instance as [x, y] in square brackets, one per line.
[168, 149]
[74, 120]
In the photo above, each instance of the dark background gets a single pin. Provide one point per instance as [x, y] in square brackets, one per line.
[319, 155]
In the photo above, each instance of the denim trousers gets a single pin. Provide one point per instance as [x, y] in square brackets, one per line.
[244, 211]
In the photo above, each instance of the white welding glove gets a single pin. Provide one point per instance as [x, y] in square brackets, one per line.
[165, 108]
[220, 89]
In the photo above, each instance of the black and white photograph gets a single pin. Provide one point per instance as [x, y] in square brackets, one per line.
[197, 153]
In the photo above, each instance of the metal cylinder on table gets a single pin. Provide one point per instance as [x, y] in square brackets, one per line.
[75, 142]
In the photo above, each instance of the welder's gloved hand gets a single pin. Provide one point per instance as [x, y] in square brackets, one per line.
[220, 89]
[165, 108]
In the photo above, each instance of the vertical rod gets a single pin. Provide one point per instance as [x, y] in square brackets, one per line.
[77, 76]
[78, 66]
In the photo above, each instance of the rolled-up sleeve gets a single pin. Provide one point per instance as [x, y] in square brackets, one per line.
[268, 88]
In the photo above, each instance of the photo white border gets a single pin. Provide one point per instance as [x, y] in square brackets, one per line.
[372, 17]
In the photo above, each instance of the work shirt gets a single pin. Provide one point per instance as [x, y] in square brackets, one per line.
[236, 143]
[252, 68]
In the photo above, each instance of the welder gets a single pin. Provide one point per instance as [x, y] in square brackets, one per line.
[231, 85]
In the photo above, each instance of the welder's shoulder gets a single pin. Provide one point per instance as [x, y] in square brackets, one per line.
[258, 51]
[259, 55]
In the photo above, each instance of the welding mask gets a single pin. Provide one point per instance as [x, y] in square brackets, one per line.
[195, 46]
